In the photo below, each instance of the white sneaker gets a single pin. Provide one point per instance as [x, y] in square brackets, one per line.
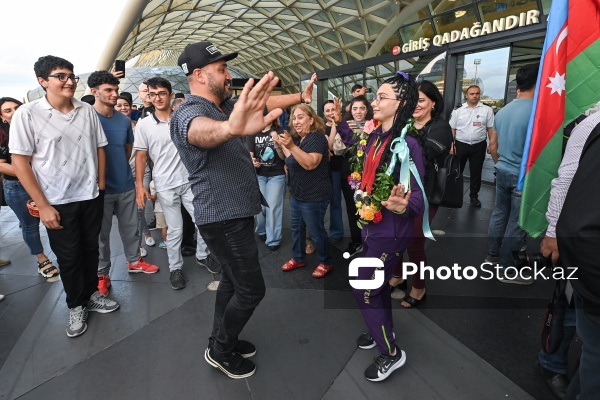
[143, 252]
[77, 325]
[1, 297]
[150, 241]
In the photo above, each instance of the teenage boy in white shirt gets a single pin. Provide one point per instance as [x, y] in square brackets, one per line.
[153, 138]
[57, 151]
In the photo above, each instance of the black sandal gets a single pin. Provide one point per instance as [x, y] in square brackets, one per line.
[412, 301]
[402, 285]
[50, 271]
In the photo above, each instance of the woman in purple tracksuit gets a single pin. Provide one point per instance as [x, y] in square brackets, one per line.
[387, 228]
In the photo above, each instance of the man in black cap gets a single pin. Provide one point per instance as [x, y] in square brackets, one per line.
[209, 130]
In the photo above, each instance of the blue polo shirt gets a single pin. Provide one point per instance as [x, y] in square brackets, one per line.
[119, 133]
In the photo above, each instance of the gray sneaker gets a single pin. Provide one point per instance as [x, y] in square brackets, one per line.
[77, 325]
[210, 264]
[103, 305]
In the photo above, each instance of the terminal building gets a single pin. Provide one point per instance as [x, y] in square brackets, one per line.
[453, 43]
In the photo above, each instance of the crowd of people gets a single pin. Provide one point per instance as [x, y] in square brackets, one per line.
[73, 166]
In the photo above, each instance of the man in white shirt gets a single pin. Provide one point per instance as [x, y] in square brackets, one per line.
[57, 153]
[472, 124]
[153, 137]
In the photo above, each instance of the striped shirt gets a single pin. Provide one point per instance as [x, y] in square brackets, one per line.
[567, 169]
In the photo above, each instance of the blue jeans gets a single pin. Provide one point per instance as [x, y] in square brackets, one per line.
[16, 198]
[242, 285]
[557, 362]
[270, 220]
[336, 223]
[309, 214]
[586, 382]
[504, 234]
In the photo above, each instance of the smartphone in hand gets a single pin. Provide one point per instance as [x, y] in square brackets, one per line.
[120, 66]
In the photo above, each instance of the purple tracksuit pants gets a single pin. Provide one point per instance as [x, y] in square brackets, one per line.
[376, 304]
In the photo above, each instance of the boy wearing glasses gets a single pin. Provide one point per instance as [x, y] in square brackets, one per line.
[153, 138]
[58, 156]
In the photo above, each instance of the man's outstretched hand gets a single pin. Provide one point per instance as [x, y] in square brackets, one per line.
[247, 117]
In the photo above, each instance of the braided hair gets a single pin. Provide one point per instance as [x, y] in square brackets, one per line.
[407, 95]
[405, 88]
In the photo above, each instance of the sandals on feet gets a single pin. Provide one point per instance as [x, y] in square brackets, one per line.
[292, 264]
[47, 269]
[310, 247]
[412, 301]
[322, 270]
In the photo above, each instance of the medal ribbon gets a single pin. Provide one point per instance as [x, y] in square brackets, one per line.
[401, 152]
[372, 159]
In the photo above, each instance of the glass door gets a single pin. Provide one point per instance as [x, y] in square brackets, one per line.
[486, 69]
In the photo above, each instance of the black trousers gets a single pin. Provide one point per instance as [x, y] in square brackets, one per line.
[188, 229]
[242, 286]
[475, 154]
[348, 192]
[76, 248]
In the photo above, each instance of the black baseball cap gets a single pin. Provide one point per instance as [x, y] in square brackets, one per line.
[198, 55]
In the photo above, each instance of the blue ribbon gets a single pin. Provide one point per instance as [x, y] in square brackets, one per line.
[401, 152]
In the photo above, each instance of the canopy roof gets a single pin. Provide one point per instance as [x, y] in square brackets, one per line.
[288, 37]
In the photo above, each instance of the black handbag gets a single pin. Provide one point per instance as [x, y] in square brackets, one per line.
[448, 184]
[553, 327]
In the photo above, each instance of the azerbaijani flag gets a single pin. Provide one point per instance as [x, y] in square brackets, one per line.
[568, 85]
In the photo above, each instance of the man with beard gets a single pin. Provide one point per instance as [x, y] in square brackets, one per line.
[170, 177]
[119, 197]
[209, 130]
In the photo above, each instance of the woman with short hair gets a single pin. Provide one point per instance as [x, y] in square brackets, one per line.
[307, 160]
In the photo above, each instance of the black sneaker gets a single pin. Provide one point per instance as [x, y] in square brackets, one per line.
[210, 264]
[383, 366]
[177, 279]
[353, 249]
[263, 237]
[365, 341]
[187, 251]
[244, 347]
[274, 247]
[233, 364]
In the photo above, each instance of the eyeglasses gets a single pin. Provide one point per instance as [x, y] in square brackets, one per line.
[162, 95]
[65, 77]
[379, 98]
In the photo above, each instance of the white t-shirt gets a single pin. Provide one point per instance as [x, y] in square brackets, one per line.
[63, 148]
[471, 123]
[153, 135]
